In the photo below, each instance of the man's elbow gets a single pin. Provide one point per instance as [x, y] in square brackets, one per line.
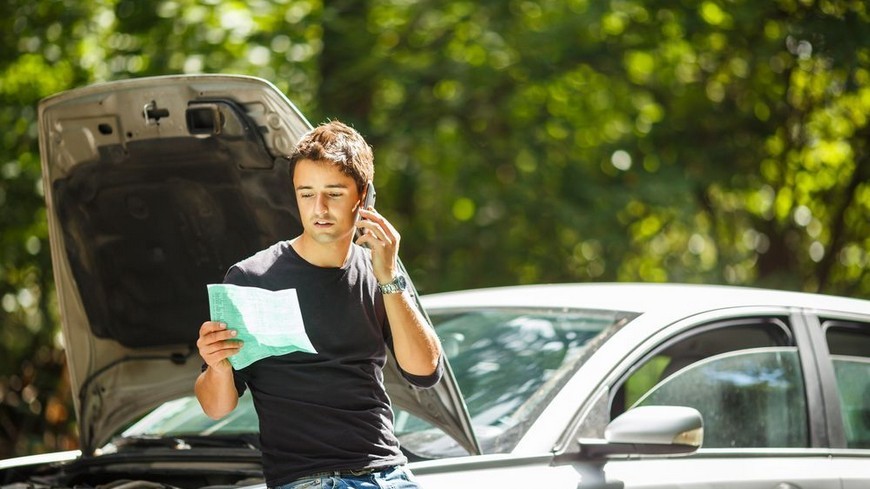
[428, 363]
[426, 378]
[421, 368]
[216, 408]
[216, 413]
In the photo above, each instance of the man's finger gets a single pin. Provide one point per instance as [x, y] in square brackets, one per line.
[211, 326]
[216, 337]
[385, 229]
[224, 346]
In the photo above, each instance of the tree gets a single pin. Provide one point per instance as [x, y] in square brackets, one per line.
[632, 141]
[35, 61]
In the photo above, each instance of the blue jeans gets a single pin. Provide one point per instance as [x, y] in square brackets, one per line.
[392, 478]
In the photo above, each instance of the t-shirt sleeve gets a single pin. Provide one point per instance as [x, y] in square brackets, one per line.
[236, 276]
[425, 381]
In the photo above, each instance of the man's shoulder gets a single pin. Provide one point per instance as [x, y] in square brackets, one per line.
[261, 261]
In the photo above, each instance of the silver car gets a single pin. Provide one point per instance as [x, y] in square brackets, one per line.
[782, 380]
[155, 186]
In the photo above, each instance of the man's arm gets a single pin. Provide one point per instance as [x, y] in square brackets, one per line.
[215, 389]
[415, 344]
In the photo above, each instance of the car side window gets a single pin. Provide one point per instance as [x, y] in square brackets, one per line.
[744, 376]
[849, 345]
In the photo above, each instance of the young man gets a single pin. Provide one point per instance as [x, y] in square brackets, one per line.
[325, 418]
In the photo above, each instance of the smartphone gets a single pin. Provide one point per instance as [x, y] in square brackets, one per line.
[370, 195]
[368, 203]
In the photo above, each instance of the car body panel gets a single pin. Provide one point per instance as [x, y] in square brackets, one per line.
[501, 471]
[154, 187]
[40, 459]
[676, 301]
[686, 473]
[745, 472]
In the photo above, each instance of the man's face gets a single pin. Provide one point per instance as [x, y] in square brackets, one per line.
[328, 201]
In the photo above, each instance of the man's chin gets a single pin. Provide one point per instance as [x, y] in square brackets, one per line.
[329, 237]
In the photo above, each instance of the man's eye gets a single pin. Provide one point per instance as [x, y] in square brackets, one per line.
[306, 196]
[335, 196]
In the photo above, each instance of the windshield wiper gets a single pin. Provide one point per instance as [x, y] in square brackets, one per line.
[187, 442]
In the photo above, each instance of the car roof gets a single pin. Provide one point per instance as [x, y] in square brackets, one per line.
[638, 298]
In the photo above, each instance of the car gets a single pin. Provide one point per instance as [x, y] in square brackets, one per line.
[155, 186]
[781, 379]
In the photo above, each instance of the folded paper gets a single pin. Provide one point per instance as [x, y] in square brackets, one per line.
[268, 322]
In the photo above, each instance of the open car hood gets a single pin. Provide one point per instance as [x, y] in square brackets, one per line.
[154, 187]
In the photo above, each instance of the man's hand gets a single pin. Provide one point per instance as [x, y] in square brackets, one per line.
[214, 387]
[383, 240]
[216, 343]
[415, 344]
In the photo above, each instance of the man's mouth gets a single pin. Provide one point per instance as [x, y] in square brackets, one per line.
[322, 223]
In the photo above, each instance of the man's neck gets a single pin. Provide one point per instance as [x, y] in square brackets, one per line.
[331, 255]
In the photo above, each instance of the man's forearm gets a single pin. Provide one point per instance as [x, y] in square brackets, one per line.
[415, 344]
[216, 392]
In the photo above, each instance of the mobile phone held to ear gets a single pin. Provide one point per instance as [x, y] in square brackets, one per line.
[370, 195]
[368, 203]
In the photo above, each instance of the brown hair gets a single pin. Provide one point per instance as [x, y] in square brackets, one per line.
[341, 145]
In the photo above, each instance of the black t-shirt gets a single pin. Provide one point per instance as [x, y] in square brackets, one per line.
[329, 410]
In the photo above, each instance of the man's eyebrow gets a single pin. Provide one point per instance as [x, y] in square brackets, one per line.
[331, 185]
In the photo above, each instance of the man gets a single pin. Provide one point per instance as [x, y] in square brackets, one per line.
[325, 418]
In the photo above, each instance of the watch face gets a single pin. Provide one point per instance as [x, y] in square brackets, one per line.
[398, 284]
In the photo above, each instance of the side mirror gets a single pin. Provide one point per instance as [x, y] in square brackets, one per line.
[649, 430]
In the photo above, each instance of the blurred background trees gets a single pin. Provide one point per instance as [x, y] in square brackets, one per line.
[517, 141]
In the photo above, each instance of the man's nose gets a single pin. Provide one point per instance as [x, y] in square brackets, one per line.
[320, 206]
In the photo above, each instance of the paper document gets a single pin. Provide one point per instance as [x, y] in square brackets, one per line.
[268, 322]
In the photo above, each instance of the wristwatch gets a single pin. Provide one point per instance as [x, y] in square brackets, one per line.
[398, 284]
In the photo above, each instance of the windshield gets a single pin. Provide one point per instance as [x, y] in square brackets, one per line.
[508, 364]
[185, 417]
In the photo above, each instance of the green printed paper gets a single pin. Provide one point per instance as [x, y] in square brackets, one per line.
[268, 322]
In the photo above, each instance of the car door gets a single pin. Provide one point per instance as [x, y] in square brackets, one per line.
[753, 377]
[843, 355]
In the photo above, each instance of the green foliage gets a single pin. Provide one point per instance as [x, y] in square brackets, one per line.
[627, 141]
[35, 61]
[722, 141]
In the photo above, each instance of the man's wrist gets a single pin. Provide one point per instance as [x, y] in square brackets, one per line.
[224, 367]
[395, 286]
